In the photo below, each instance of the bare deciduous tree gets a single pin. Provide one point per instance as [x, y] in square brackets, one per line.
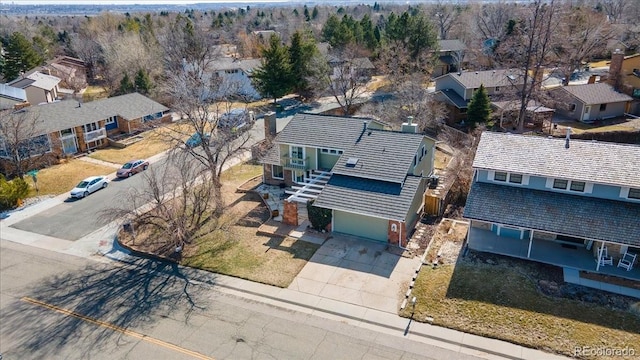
[345, 77]
[201, 97]
[23, 141]
[411, 98]
[446, 16]
[615, 9]
[174, 205]
[528, 46]
[585, 34]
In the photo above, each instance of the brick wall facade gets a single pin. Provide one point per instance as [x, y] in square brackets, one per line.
[268, 176]
[399, 236]
[290, 216]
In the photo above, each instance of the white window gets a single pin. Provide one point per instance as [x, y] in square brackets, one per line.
[577, 186]
[324, 151]
[277, 172]
[111, 120]
[394, 228]
[340, 152]
[500, 176]
[90, 127]
[333, 151]
[515, 178]
[560, 184]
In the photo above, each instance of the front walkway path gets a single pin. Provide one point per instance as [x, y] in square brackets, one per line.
[99, 162]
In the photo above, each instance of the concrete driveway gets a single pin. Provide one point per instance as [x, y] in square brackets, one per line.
[359, 272]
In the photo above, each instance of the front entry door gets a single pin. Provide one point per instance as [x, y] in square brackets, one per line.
[69, 145]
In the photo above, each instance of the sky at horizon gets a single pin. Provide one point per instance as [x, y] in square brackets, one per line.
[130, 2]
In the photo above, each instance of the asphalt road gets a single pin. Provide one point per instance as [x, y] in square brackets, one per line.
[56, 306]
[75, 218]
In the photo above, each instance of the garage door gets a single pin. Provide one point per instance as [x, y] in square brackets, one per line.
[358, 225]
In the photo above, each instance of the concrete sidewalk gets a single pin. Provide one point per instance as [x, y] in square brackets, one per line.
[100, 246]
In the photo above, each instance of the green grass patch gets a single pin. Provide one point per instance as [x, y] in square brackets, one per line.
[502, 303]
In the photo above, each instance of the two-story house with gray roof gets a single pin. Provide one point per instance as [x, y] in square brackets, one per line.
[372, 179]
[40, 88]
[457, 89]
[450, 57]
[68, 127]
[590, 102]
[566, 202]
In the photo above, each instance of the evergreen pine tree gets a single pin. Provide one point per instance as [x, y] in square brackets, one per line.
[126, 86]
[142, 82]
[19, 56]
[301, 51]
[273, 78]
[479, 110]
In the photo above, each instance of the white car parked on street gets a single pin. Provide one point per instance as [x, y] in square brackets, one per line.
[88, 186]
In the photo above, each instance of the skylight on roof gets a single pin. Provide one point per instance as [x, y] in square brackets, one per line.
[351, 162]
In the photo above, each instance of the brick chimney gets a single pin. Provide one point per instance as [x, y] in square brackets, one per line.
[270, 125]
[615, 68]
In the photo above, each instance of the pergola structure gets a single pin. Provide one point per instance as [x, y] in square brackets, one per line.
[310, 189]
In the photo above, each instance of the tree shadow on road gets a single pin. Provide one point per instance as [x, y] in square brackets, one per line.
[130, 296]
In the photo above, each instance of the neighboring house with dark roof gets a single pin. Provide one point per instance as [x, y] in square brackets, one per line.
[450, 57]
[590, 102]
[372, 179]
[457, 89]
[556, 201]
[12, 97]
[40, 88]
[68, 127]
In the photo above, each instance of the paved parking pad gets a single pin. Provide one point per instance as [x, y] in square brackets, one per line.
[357, 271]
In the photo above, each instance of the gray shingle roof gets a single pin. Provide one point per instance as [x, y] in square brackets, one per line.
[322, 131]
[452, 97]
[566, 214]
[488, 78]
[600, 162]
[382, 155]
[532, 106]
[228, 63]
[36, 79]
[369, 197]
[66, 114]
[599, 93]
[451, 45]
[271, 156]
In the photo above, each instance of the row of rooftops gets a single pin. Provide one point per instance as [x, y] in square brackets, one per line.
[590, 94]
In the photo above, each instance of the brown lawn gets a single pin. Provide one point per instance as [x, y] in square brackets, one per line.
[233, 246]
[63, 177]
[499, 297]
